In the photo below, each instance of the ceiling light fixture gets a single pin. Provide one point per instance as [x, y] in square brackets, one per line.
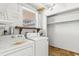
[49, 6]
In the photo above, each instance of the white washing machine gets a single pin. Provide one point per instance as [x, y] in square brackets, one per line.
[40, 45]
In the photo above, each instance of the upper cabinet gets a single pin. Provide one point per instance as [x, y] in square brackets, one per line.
[3, 11]
[10, 12]
[14, 13]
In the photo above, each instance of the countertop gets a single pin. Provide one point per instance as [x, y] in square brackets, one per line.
[9, 44]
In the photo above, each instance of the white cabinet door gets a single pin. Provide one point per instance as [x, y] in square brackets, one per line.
[8, 11]
[2, 11]
[23, 52]
[12, 11]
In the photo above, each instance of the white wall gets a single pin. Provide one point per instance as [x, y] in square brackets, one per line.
[66, 16]
[60, 7]
[64, 34]
[43, 22]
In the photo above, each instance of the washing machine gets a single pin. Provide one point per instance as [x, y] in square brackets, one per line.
[40, 44]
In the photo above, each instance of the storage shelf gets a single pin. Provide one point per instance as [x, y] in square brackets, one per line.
[22, 27]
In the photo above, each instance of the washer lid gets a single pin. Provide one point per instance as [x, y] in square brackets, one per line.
[39, 38]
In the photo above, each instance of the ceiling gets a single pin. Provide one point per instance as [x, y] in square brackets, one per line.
[41, 6]
[54, 7]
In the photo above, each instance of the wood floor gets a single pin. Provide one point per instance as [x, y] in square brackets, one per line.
[53, 51]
